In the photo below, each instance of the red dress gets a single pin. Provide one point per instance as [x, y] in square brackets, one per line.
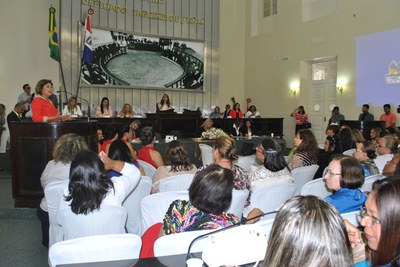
[144, 154]
[233, 113]
[42, 109]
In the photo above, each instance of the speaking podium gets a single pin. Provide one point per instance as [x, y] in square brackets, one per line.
[32, 147]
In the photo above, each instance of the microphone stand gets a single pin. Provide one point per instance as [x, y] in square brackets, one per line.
[188, 255]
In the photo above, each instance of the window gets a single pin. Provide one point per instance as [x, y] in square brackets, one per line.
[323, 70]
[270, 8]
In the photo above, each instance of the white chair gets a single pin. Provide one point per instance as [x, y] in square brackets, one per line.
[155, 206]
[176, 182]
[181, 242]
[302, 175]
[368, 182]
[239, 198]
[235, 246]
[380, 161]
[270, 198]
[95, 249]
[207, 156]
[246, 161]
[149, 170]
[53, 193]
[107, 220]
[349, 152]
[315, 188]
[132, 205]
[351, 217]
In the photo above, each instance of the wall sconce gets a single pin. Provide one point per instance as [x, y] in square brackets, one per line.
[340, 89]
[293, 91]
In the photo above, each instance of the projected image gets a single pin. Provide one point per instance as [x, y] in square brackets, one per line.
[378, 68]
[146, 62]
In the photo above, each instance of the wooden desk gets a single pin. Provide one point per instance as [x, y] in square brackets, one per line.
[32, 147]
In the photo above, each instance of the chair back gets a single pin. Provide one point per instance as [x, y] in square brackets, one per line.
[368, 182]
[315, 188]
[95, 249]
[181, 241]
[302, 175]
[149, 170]
[132, 205]
[351, 217]
[155, 206]
[108, 220]
[349, 152]
[381, 160]
[207, 156]
[176, 182]
[270, 198]
[239, 198]
[246, 161]
[53, 193]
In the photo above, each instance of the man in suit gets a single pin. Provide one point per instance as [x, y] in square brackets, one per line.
[16, 113]
[365, 115]
[26, 97]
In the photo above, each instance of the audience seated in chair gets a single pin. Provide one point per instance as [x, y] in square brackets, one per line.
[147, 153]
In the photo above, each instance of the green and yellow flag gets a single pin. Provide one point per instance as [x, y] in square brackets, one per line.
[53, 38]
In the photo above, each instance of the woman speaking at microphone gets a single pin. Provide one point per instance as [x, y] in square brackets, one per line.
[43, 110]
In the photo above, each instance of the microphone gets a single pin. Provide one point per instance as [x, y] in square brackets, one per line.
[80, 98]
[188, 255]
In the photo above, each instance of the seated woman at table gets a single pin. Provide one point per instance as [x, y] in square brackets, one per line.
[274, 169]
[57, 169]
[306, 149]
[164, 104]
[204, 127]
[120, 150]
[236, 112]
[307, 231]
[72, 108]
[104, 110]
[365, 154]
[224, 153]
[216, 114]
[251, 110]
[126, 111]
[177, 162]
[147, 153]
[237, 128]
[344, 176]
[375, 133]
[248, 129]
[43, 110]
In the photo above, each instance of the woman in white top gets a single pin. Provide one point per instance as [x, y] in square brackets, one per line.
[177, 163]
[164, 104]
[104, 110]
[65, 149]
[72, 108]
[90, 188]
[274, 169]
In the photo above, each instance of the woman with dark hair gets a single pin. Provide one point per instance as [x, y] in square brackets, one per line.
[104, 110]
[306, 149]
[164, 104]
[57, 169]
[300, 116]
[237, 127]
[344, 176]
[178, 162]
[252, 112]
[43, 110]
[381, 219]
[307, 231]
[392, 167]
[147, 153]
[365, 154]
[210, 195]
[274, 169]
[89, 187]
[345, 139]
[248, 129]
[216, 114]
[120, 151]
[72, 108]
[236, 112]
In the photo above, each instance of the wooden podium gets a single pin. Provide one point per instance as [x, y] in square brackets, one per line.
[31, 148]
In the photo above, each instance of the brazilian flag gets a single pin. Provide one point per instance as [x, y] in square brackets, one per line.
[53, 38]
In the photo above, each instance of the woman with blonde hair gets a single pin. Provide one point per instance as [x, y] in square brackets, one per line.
[126, 111]
[308, 231]
[72, 108]
[206, 125]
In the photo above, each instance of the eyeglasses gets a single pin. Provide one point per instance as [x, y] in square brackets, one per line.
[364, 214]
[328, 171]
